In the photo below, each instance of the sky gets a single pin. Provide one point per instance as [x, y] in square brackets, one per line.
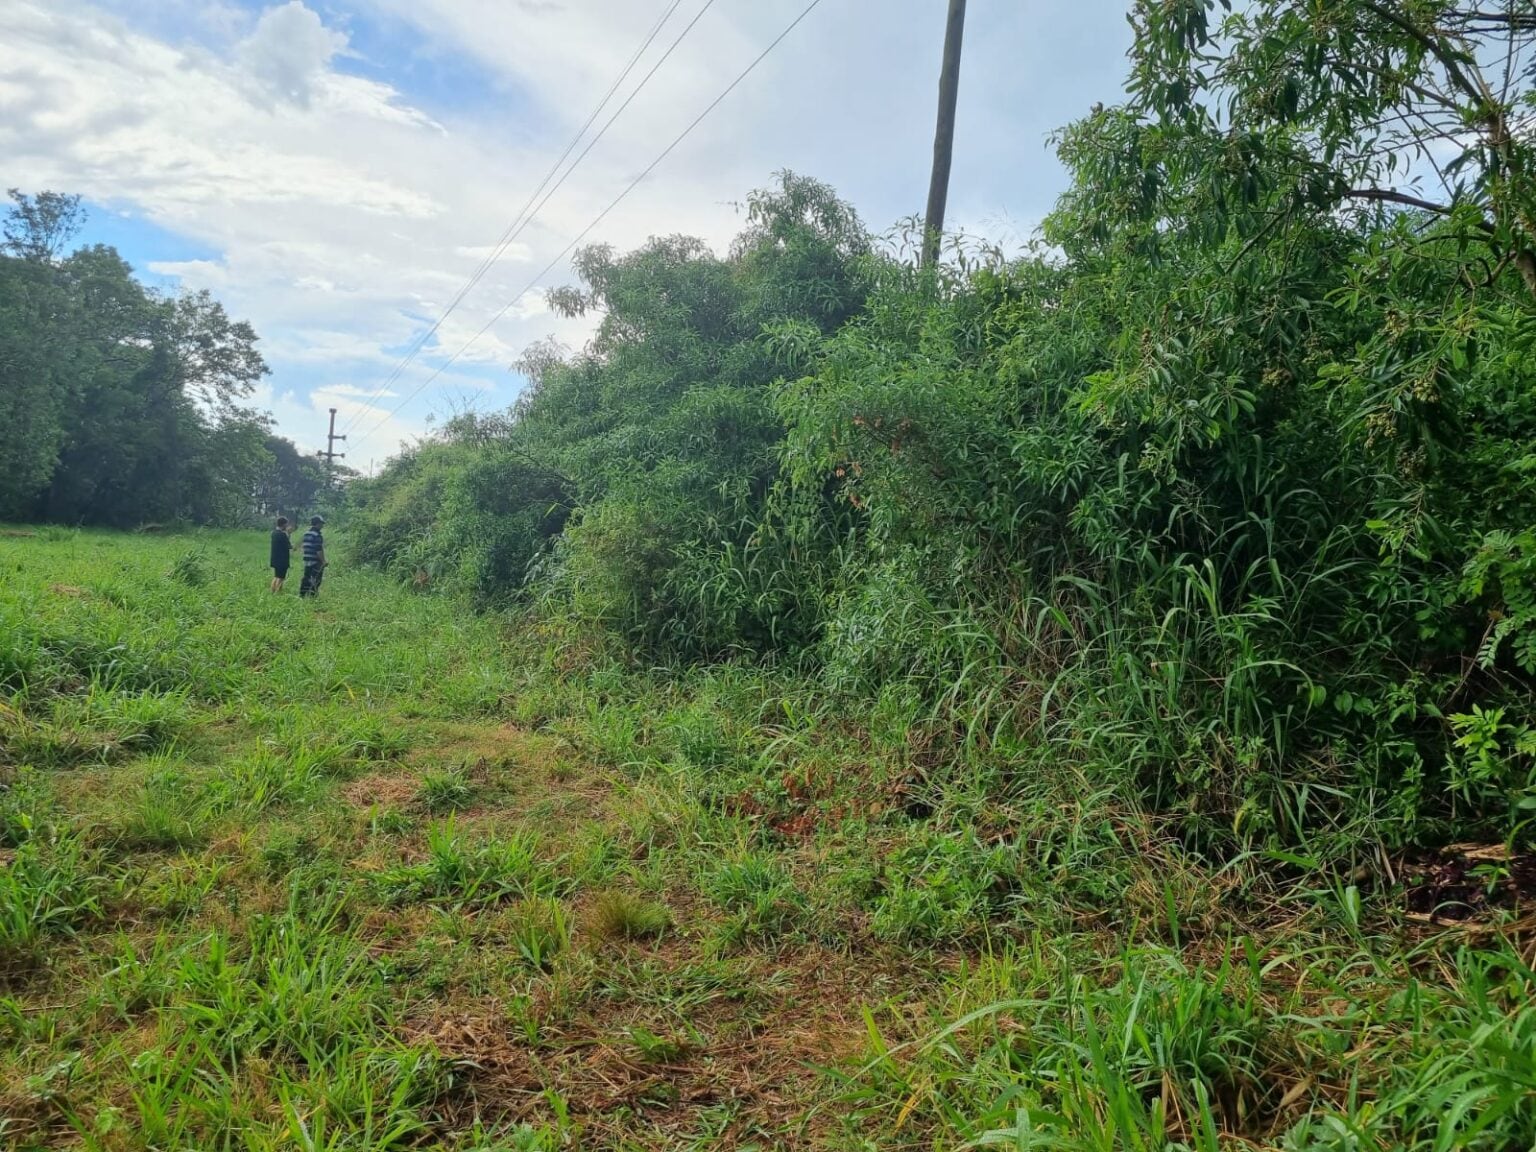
[336, 170]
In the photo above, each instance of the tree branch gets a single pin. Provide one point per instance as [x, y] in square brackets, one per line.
[1389, 196]
[1429, 43]
[1513, 20]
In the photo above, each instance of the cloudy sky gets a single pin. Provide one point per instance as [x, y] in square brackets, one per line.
[335, 170]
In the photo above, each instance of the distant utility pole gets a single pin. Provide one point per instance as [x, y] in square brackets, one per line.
[330, 453]
[944, 136]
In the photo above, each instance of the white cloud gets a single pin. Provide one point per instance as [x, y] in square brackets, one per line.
[353, 390]
[344, 211]
[290, 51]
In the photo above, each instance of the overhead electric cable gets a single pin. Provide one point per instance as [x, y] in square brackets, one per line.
[601, 216]
[522, 219]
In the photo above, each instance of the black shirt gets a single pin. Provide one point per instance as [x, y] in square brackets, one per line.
[282, 546]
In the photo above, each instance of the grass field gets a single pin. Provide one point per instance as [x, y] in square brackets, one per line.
[374, 872]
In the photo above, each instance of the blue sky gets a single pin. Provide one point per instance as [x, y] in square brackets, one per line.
[141, 242]
[334, 170]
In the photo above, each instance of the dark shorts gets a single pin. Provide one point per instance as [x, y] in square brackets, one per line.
[280, 571]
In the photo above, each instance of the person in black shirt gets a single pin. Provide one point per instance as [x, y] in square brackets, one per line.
[282, 550]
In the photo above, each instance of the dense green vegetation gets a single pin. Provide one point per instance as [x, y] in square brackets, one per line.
[119, 406]
[1226, 493]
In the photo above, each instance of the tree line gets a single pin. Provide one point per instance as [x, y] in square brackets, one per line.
[121, 406]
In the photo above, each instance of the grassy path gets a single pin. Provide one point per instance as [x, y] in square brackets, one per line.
[285, 872]
[371, 873]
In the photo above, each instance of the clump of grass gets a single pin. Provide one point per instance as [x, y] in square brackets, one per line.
[371, 737]
[538, 929]
[445, 790]
[758, 892]
[477, 692]
[51, 745]
[266, 778]
[46, 888]
[166, 815]
[388, 822]
[162, 820]
[619, 915]
[462, 873]
[142, 721]
[191, 569]
[287, 850]
[25, 807]
[177, 887]
[299, 1016]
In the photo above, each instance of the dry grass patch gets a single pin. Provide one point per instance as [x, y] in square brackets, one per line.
[382, 790]
[669, 1047]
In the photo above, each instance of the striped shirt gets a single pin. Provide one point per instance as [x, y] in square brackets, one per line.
[313, 544]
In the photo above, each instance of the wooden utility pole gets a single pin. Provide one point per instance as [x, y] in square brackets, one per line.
[944, 136]
[330, 453]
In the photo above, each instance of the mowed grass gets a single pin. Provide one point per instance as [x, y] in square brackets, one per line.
[375, 872]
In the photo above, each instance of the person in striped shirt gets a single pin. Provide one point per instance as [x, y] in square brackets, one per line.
[313, 549]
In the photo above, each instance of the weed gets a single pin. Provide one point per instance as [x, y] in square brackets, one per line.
[654, 1049]
[618, 915]
[388, 822]
[445, 790]
[45, 888]
[464, 873]
[25, 804]
[759, 893]
[539, 930]
[940, 888]
[191, 569]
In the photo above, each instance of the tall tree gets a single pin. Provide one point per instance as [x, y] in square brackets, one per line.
[117, 405]
[38, 228]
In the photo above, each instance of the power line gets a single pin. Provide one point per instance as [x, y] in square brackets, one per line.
[522, 219]
[519, 222]
[601, 216]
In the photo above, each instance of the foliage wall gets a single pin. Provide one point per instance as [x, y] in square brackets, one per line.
[1228, 489]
